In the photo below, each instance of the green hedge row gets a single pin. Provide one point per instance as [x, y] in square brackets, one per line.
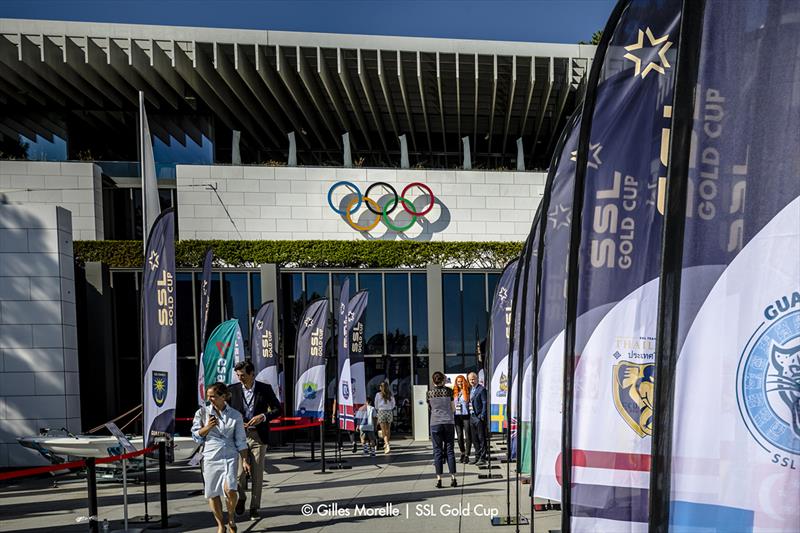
[349, 254]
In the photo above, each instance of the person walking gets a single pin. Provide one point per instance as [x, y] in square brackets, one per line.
[463, 432]
[442, 424]
[477, 418]
[220, 429]
[365, 425]
[257, 404]
[384, 403]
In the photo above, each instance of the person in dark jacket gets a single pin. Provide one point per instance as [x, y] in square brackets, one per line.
[440, 403]
[258, 405]
[477, 418]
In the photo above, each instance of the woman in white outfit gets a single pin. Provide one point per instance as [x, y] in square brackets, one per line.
[384, 403]
[221, 431]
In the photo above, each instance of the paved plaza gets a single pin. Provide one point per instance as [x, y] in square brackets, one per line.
[357, 499]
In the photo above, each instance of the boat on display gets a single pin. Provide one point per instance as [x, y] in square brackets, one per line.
[83, 446]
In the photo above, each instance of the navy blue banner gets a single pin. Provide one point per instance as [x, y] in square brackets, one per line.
[499, 335]
[158, 328]
[354, 332]
[736, 462]
[312, 334]
[263, 347]
[619, 262]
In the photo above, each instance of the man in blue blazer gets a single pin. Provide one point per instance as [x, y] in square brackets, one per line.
[477, 418]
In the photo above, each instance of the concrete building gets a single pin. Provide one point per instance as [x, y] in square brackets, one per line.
[258, 136]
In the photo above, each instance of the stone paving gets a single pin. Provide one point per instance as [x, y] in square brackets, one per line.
[387, 493]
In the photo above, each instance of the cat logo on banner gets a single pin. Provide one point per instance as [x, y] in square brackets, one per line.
[633, 395]
[160, 386]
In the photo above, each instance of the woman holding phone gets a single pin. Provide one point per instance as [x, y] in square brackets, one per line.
[221, 430]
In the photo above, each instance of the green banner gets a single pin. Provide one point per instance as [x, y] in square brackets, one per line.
[223, 350]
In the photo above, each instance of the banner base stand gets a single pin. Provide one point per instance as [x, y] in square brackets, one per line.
[490, 476]
[504, 461]
[325, 472]
[509, 521]
[144, 519]
[493, 467]
[340, 467]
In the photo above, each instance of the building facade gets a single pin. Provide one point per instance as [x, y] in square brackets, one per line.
[258, 136]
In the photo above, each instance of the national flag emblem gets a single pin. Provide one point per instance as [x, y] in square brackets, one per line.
[498, 418]
[347, 419]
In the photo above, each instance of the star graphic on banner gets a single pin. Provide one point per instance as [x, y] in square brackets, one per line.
[341, 308]
[153, 260]
[651, 65]
[308, 321]
[503, 294]
[259, 324]
[560, 216]
[594, 150]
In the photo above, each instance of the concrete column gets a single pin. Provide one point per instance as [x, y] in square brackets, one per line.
[435, 320]
[292, 150]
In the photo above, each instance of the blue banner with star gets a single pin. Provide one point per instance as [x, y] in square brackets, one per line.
[736, 416]
[619, 255]
[158, 330]
[499, 335]
[310, 358]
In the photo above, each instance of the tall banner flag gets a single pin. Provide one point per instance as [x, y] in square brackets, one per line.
[617, 270]
[344, 398]
[309, 395]
[736, 430]
[499, 335]
[205, 301]
[160, 338]
[352, 342]
[263, 353]
[513, 360]
[525, 419]
[223, 350]
[151, 205]
[556, 222]
[355, 327]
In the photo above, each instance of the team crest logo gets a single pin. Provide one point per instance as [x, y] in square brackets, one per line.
[633, 388]
[768, 384]
[160, 386]
[345, 390]
[309, 390]
[503, 386]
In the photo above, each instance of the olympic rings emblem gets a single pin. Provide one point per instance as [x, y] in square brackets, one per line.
[381, 213]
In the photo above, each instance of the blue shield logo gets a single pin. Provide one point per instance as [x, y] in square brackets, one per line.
[769, 384]
[160, 386]
[345, 390]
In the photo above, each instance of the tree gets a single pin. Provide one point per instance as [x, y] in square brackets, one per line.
[596, 36]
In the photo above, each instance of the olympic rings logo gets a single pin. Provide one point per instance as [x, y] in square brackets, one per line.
[381, 213]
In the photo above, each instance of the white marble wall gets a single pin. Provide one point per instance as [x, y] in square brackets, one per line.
[290, 203]
[39, 383]
[75, 186]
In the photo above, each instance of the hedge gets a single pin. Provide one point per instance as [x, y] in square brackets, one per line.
[343, 254]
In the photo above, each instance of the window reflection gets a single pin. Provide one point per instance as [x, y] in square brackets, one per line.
[214, 304]
[255, 293]
[185, 318]
[419, 312]
[292, 306]
[237, 305]
[451, 297]
[398, 339]
[373, 325]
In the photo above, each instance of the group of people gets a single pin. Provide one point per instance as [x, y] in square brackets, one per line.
[461, 410]
[234, 430]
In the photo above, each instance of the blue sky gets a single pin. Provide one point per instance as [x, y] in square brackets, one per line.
[560, 21]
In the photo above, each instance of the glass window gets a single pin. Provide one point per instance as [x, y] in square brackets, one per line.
[255, 293]
[237, 305]
[491, 282]
[338, 280]
[421, 370]
[316, 286]
[419, 312]
[453, 326]
[373, 324]
[473, 296]
[399, 377]
[292, 307]
[214, 304]
[187, 349]
[398, 335]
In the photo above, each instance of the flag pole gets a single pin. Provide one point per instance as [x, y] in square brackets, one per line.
[686, 74]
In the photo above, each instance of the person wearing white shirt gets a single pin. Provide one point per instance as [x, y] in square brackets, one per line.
[384, 403]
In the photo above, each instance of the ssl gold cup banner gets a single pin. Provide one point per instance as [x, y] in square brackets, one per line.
[381, 213]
